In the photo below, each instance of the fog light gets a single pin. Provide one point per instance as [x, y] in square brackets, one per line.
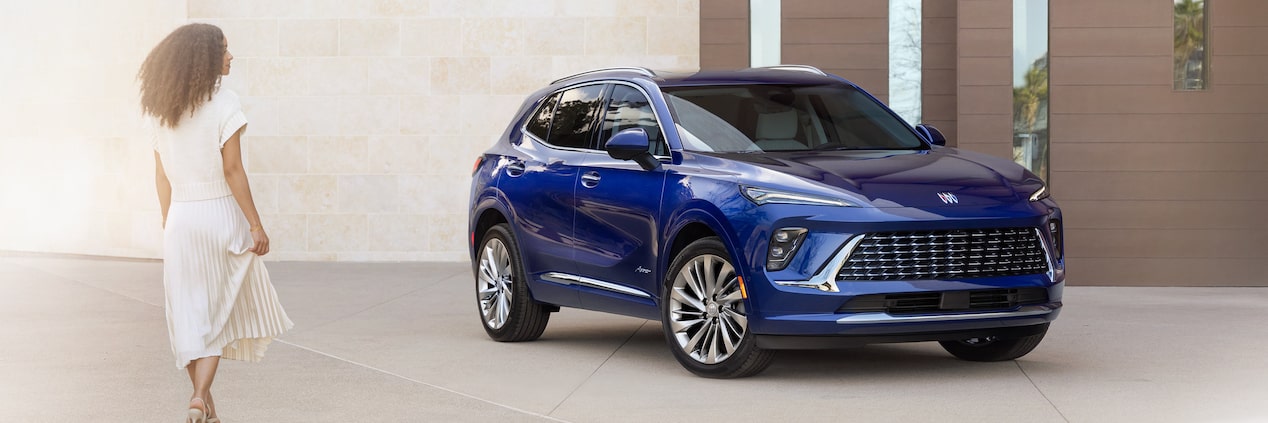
[783, 245]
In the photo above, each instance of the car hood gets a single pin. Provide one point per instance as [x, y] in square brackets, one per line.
[905, 178]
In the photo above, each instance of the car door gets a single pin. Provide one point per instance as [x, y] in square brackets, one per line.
[618, 204]
[540, 183]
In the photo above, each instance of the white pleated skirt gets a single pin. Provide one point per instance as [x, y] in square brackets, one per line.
[219, 298]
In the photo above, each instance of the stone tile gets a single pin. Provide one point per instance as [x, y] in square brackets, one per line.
[430, 115]
[308, 37]
[488, 115]
[519, 75]
[273, 155]
[431, 37]
[483, 37]
[307, 194]
[460, 75]
[435, 195]
[368, 194]
[673, 36]
[616, 36]
[337, 155]
[555, 36]
[338, 232]
[308, 115]
[369, 37]
[338, 76]
[249, 37]
[399, 76]
[402, 154]
[281, 76]
[370, 115]
[288, 233]
[264, 192]
[399, 232]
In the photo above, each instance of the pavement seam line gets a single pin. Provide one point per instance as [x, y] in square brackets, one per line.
[1045, 396]
[409, 379]
[600, 366]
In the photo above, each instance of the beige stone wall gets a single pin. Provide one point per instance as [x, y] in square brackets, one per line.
[366, 116]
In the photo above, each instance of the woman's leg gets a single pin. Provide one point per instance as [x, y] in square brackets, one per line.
[202, 372]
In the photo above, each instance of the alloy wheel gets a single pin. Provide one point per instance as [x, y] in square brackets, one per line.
[706, 309]
[495, 283]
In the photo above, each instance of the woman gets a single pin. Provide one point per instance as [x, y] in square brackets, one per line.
[220, 302]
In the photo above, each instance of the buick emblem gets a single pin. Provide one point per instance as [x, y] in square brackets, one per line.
[948, 198]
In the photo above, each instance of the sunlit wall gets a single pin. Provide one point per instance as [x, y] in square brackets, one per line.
[365, 115]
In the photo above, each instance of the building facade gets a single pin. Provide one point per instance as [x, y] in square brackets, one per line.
[1160, 175]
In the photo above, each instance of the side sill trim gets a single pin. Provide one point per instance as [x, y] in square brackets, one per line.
[566, 279]
[874, 318]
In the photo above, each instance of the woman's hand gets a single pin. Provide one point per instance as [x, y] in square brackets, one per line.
[260, 241]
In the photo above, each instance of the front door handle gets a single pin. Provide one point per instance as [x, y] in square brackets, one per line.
[590, 179]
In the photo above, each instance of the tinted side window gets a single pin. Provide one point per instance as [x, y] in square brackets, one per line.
[539, 122]
[629, 108]
[573, 125]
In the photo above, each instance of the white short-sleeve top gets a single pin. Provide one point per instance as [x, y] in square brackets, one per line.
[190, 152]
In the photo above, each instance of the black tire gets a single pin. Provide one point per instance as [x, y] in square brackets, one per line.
[721, 312]
[994, 348]
[499, 273]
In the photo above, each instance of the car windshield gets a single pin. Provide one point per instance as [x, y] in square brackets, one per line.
[756, 118]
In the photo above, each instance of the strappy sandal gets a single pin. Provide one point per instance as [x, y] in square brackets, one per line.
[198, 415]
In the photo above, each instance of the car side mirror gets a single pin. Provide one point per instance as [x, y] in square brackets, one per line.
[632, 144]
[931, 134]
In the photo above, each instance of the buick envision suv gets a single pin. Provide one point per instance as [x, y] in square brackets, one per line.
[756, 210]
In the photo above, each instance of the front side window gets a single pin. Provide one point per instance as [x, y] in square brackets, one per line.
[751, 118]
[573, 124]
[629, 108]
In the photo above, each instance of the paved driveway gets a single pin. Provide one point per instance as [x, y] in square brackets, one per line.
[84, 339]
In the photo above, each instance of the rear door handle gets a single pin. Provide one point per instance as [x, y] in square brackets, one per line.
[515, 168]
[590, 179]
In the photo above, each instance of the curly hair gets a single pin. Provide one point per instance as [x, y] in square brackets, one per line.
[182, 72]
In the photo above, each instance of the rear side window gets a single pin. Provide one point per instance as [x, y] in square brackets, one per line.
[629, 108]
[573, 124]
[539, 123]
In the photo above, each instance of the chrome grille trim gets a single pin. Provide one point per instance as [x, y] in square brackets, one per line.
[947, 254]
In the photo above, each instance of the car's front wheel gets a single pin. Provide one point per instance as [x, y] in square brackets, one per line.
[507, 310]
[704, 315]
[994, 348]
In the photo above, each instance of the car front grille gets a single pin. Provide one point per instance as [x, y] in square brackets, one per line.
[947, 254]
[934, 302]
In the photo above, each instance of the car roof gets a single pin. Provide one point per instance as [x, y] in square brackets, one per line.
[782, 74]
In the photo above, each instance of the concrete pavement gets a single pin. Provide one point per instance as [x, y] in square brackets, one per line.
[84, 339]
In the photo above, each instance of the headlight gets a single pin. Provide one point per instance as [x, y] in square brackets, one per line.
[762, 196]
[1042, 193]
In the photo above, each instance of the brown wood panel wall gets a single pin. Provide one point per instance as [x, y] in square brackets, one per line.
[938, 66]
[850, 39]
[984, 94]
[1159, 187]
[724, 36]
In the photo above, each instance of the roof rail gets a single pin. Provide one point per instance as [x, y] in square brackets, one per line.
[800, 68]
[637, 69]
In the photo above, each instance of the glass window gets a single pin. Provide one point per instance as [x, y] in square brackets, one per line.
[1190, 64]
[904, 58]
[629, 108]
[786, 118]
[573, 124]
[539, 123]
[1030, 85]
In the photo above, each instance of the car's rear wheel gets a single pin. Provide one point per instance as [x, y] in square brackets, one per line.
[994, 348]
[705, 317]
[507, 311]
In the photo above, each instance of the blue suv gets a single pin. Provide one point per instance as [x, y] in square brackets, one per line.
[756, 210]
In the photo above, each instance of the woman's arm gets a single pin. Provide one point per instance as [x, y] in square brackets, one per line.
[163, 186]
[236, 176]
